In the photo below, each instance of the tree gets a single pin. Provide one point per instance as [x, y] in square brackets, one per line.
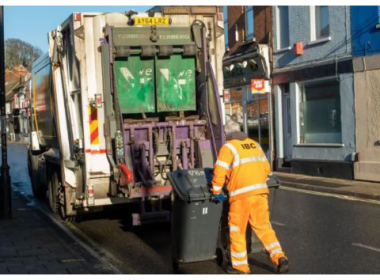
[20, 52]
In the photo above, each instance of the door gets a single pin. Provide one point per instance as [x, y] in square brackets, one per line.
[286, 116]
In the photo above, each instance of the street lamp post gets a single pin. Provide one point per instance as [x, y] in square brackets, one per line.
[5, 180]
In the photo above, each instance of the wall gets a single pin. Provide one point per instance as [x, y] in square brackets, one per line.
[235, 16]
[367, 100]
[263, 20]
[299, 31]
[365, 35]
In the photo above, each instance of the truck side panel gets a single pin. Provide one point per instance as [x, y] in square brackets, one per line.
[69, 175]
[94, 141]
[42, 99]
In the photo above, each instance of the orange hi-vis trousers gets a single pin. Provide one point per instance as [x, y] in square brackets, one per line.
[255, 210]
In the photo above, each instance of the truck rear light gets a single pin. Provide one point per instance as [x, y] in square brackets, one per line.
[98, 100]
[77, 17]
[90, 195]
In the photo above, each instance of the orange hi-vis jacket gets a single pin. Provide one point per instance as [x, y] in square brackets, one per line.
[243, 166]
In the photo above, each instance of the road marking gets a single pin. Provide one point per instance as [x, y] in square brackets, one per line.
[366, 247]
[72, 260]
[340, 196]
[277, 223]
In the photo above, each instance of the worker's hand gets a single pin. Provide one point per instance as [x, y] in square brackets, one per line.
[218, 198]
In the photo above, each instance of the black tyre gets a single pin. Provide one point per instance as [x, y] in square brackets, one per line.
[39, 190]
[53, 185]
[62, 206]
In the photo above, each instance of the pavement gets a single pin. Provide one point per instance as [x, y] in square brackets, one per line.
[366, 190]
[30, 243]
[35, 241]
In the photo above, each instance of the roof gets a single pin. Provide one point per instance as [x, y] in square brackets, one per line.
[14, 81]
[242, 50]
[155, 9]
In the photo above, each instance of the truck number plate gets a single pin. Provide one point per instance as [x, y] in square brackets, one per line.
[151, 21]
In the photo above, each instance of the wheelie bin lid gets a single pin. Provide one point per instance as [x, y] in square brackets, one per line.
[192, 184]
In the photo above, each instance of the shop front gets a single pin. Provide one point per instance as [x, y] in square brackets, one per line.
[247, 97]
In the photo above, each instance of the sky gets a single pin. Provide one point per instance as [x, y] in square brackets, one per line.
[32, 23]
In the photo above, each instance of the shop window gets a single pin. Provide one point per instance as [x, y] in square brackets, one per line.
[320, 113]
[234, 111]
[258, 120]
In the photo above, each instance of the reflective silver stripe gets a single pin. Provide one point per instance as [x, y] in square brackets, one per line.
[239, 255]
[216, 188]
[251, 159]
[235, 152]
[236, 263]
[234, 228]
[277, 251]
[222, 164]
[232, 148]
[248, 189]
[273, 245]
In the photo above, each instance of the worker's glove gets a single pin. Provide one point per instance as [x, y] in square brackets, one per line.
[218, 198]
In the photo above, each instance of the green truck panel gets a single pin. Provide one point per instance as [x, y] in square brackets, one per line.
[175, 83]
[135, 84]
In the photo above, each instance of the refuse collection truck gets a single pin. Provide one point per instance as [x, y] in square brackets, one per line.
[120, 100]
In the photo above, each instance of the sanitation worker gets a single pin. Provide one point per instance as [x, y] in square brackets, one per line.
[244, 168]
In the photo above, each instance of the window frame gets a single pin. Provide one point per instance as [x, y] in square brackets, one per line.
[226, 26]
[316, 29]
[279, 31]
[303, 114]
[248, 9]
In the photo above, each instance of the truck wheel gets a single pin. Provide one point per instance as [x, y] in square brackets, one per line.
[53, 185]
[39, 190]
[62, 206]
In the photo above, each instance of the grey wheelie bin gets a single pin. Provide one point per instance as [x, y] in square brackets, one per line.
[195, 218]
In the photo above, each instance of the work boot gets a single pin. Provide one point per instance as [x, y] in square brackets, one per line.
[231, 270]
[283, 265]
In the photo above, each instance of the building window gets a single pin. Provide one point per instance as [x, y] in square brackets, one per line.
[249, 26]
[236, 32]
[224, 9]
[282, 25]
[320, 22]
[320, 114]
